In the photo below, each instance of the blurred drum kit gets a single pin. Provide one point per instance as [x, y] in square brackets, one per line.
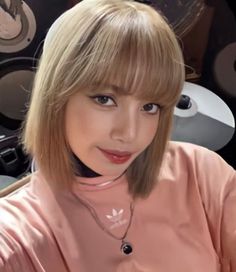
[200, 117]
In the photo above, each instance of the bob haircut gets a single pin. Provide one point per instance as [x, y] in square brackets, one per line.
[97, 43]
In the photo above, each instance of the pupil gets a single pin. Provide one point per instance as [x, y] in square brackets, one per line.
[148, 107]
[103, 99]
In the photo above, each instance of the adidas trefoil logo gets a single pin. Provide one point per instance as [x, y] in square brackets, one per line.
[116, 215]
[116, 218]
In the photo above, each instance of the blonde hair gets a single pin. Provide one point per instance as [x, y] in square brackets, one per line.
[102, 42]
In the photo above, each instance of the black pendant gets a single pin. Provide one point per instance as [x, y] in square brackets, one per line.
[126, 248]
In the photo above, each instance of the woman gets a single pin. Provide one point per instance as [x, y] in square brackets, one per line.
[111, 193]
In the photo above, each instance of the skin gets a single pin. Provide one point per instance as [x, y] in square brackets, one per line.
[105, 119]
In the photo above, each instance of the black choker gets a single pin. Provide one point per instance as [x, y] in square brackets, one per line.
[83, 170]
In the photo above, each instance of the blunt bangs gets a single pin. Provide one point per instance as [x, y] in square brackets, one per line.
[141, 62]
[129, 46]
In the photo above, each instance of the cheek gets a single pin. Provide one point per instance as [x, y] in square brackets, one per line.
[92, 124]
[85, 125]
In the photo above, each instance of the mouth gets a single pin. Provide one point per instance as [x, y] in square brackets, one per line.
[117, 157]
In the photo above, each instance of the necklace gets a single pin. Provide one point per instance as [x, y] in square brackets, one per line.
[126, 247]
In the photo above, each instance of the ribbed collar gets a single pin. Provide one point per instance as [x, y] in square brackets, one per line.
[97, 183]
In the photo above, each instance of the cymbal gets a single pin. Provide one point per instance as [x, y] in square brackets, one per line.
[203, 118]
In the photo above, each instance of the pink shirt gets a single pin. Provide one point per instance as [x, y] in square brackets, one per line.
[188, 223]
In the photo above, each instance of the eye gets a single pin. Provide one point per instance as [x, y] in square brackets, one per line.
[104, 100]
[151, 108]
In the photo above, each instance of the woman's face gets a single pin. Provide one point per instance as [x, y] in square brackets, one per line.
[107, 130]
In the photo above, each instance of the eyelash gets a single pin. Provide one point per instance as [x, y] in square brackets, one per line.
[156, 110]
[97, 97]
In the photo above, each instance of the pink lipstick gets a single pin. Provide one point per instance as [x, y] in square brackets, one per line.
[117, 157]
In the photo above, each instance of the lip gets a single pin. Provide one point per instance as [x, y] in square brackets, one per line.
[115, 156]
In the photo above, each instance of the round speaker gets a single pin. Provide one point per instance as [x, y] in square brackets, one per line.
[225, 69]
[23, 25]
[18, 26]
[16, 78]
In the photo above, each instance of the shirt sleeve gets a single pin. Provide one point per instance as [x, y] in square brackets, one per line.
[228, 227]
[28, 242]
[12, 256]
[217, 186]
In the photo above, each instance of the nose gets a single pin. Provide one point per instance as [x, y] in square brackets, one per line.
[125, 127]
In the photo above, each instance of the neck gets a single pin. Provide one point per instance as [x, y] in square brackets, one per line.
[83, 170]
[89, 179]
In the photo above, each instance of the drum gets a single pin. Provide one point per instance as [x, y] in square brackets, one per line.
[202, 118]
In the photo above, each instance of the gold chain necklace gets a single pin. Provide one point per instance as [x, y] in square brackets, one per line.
[126, 247]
